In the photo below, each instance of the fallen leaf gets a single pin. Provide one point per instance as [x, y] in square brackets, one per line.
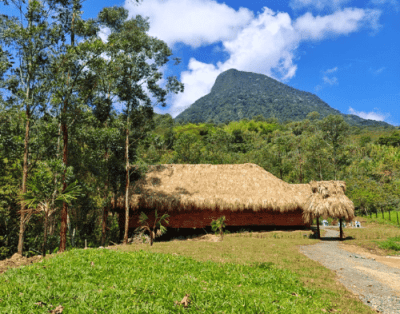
[323, 310]
[91, 264]
[40, 303]
[295, 294]
[185, 301]
[58, 310]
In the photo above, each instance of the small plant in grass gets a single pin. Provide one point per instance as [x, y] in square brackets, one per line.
[218, 224]
[157, 225]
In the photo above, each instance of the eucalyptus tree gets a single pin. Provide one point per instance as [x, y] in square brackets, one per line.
[73, 82]
[27, 38]
[138, 57]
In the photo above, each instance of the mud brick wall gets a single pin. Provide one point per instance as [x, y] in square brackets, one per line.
[203, 218]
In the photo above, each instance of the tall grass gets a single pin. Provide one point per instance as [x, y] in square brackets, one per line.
[106, 281]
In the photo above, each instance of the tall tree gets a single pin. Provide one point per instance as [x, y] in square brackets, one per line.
[29, 36]
[334, 130]
[139, 56]
[72, 82]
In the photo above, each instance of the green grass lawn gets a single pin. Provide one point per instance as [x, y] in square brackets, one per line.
[245, 273]
[392, 219]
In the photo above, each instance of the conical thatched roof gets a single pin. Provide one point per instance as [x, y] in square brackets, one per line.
[328, 200]
[226, 187]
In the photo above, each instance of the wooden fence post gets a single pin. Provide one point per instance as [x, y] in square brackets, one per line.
[398, 218]
[389, 216]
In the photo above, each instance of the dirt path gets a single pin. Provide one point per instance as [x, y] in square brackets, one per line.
[392, 261]
[375, 279]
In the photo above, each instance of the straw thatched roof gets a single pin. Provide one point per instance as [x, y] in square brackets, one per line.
[223, 187]
[328, 200]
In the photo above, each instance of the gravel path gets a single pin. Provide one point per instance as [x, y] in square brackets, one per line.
[375, 283]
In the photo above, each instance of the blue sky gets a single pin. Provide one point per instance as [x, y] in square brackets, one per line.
[346, 52]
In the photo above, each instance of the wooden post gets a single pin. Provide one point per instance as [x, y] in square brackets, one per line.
[397, 213]
[370, 214]
[376, 213]
[382, 214]
[318, 233]
[389, 216]
[341, 229]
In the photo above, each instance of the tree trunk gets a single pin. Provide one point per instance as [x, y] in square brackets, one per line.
[318, 232]
[53, 197]
[105, 208]
[320, 170]
[64, 212]
[127, 183]
[341, 228]
[151, 237]
[382, 214]
[46, 216]
[104, 226]
[397, 214]
[24, 178]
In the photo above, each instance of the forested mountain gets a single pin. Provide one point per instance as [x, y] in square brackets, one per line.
[237, 95]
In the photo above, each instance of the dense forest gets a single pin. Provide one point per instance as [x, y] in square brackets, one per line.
[65, 153]
[237, 95]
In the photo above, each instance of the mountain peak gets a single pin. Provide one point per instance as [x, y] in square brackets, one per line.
[237, 95]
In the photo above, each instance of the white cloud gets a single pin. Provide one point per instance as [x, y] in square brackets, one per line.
[330, 81]
[331, 70]
[341, 22]
[373, 115]
[193, 22]
[104, 33]
[317, 4]
[378, 71]
[198, 82]
[264, 44]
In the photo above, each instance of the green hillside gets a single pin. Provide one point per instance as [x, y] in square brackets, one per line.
[237, 95]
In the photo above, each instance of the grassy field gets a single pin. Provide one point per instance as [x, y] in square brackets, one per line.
[259, 272]
[381, 237]
[386, 219]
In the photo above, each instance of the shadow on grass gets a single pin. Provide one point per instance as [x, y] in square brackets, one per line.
[337, 238]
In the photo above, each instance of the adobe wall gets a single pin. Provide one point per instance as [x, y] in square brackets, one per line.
[201, 219]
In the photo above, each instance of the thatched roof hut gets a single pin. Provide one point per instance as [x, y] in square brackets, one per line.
[193, 195]
[328, 199]
[224, 187]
